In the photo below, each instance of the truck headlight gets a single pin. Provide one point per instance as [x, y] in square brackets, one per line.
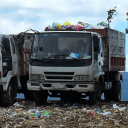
[37, 77]
[77, 77]
[82, 77]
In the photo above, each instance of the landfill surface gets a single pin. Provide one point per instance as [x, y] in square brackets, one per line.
[57, 114]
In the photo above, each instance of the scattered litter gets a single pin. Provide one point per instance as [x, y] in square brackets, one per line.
[27, 114]
[106, 113]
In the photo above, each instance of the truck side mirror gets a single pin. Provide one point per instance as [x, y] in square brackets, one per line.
[96, 44]
[126, 31]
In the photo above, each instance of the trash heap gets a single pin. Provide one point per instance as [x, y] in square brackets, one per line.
[57, 114]
[78, 26]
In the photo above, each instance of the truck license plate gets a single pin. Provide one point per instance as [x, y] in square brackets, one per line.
[58, 85]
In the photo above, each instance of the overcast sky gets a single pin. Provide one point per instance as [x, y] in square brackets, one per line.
[21, 15]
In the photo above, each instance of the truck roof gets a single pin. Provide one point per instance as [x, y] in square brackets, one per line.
[101, 31]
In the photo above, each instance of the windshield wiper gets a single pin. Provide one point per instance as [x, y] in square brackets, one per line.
[44, 59]
[60, 56]
[47, 59]
[72, 59]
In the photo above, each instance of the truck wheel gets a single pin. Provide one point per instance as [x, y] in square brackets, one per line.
[40, 97]
[0, 103]
[108, 95]
[28, 95]
[7, 97]
[93, 98]
[98, 91]
[116, 90]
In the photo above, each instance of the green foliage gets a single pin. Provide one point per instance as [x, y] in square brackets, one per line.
[111, 12]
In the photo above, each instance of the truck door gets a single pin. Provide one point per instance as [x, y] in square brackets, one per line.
[6, 57]
[14, 57]
[97, 56]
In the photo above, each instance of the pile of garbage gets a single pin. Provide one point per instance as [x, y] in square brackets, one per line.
[56, 114]
[78, 26]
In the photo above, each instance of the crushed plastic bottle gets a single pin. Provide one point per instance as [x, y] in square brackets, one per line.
[38, 115]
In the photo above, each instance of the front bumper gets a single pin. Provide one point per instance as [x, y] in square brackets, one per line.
[65, 86]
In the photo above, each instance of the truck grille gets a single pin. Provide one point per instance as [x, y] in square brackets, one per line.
[59, 75]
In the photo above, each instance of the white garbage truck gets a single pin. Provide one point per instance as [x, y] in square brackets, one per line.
[14, 52]
[74, 64]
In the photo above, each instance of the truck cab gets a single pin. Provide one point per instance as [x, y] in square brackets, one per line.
[69, 63]
[64, 62]
[9, 72]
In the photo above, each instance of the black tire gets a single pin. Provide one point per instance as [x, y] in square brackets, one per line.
[113, 94]
[7, 97]
[28, 95]
[0, 99]
[93, 98]
[116, 91]
[108, 95]
[40, 97]
[0, 103]
[98, 91]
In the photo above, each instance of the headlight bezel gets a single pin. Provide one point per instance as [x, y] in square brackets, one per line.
[37, 77]
[82, 77]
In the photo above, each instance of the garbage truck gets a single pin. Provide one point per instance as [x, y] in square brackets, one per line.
[14, 52]
[73, 64]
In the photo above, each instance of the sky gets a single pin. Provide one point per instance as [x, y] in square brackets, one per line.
[20, 15]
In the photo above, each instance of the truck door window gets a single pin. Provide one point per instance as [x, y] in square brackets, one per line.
[96, 44]
[13, 47]
[96, 48]
[6, 44]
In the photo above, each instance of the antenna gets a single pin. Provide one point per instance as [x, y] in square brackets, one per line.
[111, 12]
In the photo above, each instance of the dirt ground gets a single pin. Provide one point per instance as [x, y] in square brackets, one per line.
[57, 114]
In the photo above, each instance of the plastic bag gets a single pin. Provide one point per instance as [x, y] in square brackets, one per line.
[67, 24]
[81, 23]
[101, 25]
[78, 27]
[86, 25]
[56, 25]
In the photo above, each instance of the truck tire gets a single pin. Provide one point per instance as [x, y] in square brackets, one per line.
[93, 98]
[98, 91]
[116, 91]
[7, 97]
[40, 97]
[28, 95]
[108, 95]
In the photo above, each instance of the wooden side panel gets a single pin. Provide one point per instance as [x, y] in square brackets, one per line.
[102, 32]
[117, 64]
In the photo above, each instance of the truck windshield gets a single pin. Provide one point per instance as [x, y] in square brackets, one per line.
[62, 45]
